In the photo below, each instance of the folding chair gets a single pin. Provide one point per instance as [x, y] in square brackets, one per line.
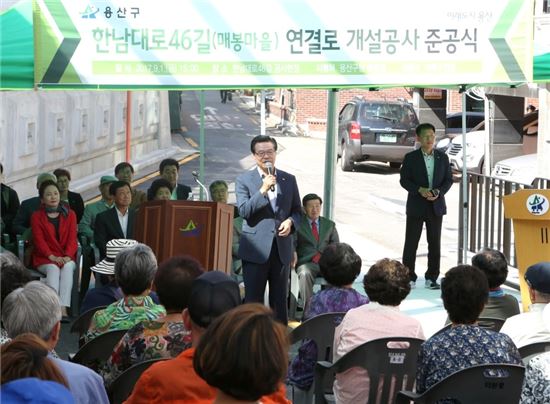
[320, 329]
[97, 351]
[390, 363]
[481, 384]
[122, 386]
[82, 323]
[528, 351]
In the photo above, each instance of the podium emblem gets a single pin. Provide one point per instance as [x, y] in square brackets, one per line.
[191, 229]
[537, 204]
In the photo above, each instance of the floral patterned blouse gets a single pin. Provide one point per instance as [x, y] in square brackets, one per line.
[123, 315]
[458, 348]
[333, 299]
[147, 340]
[536, 385]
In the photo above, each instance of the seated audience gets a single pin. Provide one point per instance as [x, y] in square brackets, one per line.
[340, 266]
[219, 192]
[536, 385]
[175, 380]
[494, 265]
[72, 198]
[9, 204]
[35, 308]
[169, 170]
[125, 172]
[313, 235]
[165, 337]
[108, 291]
[160, 190]
[86, 228]
[34, 390]
[464, 291]
[135, 268]
[118, 222]
[13, 276]
[243, 375]
[22, 220]
[387, 284]
[27, 356]
[86, 225]
[54, 242]
[527, 328]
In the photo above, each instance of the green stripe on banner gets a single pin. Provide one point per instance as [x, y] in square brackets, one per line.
[71, 38]
[499, 43]
[252, 68]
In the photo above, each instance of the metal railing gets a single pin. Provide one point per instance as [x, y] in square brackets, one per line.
[487, 226]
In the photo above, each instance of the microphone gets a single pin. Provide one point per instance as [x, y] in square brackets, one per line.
[196, 177]
[269, 168]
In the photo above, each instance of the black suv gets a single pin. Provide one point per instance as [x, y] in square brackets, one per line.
[377, 130]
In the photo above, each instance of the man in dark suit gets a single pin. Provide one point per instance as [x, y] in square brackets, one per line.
[426, 175]
[313, 236]
[118, 222]
[169, 170]
[269, 202]
[9, 204]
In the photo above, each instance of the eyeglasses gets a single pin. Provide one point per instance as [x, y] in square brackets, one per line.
[264, 153]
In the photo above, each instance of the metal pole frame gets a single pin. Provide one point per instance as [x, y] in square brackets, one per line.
[330, 153]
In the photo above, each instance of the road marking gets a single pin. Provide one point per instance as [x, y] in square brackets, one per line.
[191, 142]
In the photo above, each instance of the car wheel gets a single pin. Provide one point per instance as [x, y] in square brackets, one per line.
[394, 164]
[345, 162]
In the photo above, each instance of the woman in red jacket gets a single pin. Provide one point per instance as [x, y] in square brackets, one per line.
[54, 239]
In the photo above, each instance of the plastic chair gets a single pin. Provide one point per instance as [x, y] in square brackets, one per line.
[98, 350]
[489, 323]
[82, 323]
[122, 386]
[480, 384]
[320, 329]
[528, 351]
[90, 257]
[384, 362]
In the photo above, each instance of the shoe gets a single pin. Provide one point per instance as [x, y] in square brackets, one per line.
[432, 284]
[413, 284]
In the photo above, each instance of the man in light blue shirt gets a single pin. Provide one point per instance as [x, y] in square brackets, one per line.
[36, 308]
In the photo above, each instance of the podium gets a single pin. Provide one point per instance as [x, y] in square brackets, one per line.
[529, 210]
[203, 230]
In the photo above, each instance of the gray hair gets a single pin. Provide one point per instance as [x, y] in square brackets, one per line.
[34, 308]
[135, 268]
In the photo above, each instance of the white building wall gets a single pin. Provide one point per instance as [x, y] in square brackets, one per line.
[82, 131]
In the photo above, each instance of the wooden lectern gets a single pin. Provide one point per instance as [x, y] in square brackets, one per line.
[203, 230]
[530, 211]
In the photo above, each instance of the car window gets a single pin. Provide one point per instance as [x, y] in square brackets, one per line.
[347, 112]
[389, 112]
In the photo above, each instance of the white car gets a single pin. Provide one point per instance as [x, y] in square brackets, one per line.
[475, 151]
[521, 169]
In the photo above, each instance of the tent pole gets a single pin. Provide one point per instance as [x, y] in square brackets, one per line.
[465, 197]
[262, 112]
[201, 145]
[128, 125]
[330, 153]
